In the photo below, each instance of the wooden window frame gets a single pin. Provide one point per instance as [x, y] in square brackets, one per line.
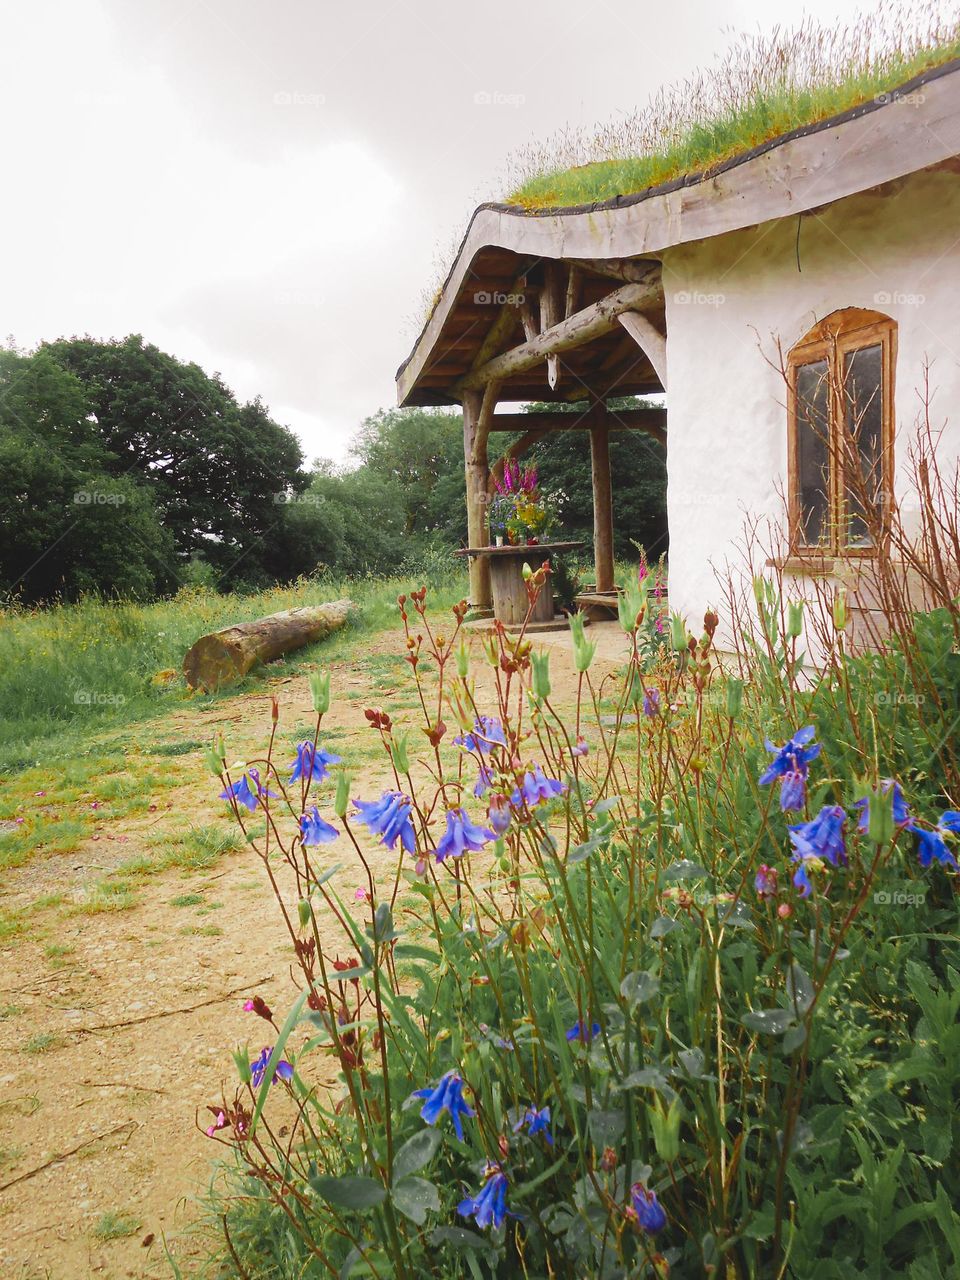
[832, 340]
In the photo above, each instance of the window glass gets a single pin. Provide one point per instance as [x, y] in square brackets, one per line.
[863, 422]
[813, 452]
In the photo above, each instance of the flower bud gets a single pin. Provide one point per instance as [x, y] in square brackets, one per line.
[304, 912]
[342, 798]
[320, 691]
[463, 660]
[217, 756]
[794, 618]
[399, 753]
[526, 572]
[840, 609]
[734, 697]
[678, 632]
[583, 650]
[540, 663]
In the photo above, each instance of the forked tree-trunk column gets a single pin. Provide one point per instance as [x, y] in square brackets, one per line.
[602, 497]
[475, 465]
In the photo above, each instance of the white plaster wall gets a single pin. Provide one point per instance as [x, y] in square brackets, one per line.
[728, 300]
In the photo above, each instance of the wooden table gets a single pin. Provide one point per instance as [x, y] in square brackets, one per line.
[510, 600]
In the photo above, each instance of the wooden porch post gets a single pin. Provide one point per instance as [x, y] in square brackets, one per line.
[475, 465]
[602, 497]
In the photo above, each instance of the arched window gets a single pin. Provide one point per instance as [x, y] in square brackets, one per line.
[840, 433]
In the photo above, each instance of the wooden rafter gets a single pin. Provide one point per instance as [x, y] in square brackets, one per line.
[580, 328]
[649, 339]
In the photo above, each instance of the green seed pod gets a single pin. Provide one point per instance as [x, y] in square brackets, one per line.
[399, 753]
[541, 675]
[794, 618]
[304, 912]
[320, 690]
[342, 798]
[463, 660]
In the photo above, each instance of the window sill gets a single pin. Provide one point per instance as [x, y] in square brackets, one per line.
[813, 564]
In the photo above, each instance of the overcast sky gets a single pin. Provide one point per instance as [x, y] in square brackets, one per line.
[264, 186]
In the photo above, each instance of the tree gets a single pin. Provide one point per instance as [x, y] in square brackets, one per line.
[213, 467]
[69, 525]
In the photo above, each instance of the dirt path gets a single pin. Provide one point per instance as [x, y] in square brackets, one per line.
[116, 1027]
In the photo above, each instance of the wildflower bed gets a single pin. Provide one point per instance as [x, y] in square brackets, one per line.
[644, 995]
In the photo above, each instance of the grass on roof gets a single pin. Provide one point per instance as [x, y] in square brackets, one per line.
[762, 88]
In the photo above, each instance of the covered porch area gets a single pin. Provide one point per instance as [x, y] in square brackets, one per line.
[578, 333]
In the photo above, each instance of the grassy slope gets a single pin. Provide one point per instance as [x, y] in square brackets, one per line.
[739, 120]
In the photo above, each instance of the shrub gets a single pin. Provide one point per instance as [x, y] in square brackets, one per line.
[679, 995]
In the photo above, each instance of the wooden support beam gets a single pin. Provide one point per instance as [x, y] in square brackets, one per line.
[651, 421]
[475, 467]
[551, 313]
[582, 327]
[502, 327]
[649, 339]
[626, 269]
[573, 291]
[602, 497]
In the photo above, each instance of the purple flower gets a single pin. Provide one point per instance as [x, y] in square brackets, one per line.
[461, 836]
[584, 1032]
[489, 1207]
[534, 1122]
[242, 793]
[651, 703]
[932, 844]
[312, 762]
[484, 782]
[446, 1095]
[791, 764]
[389, 818]
[801, 880]
[282, 1069]
[487, 733]
[648, 1209]
[536, 786]
[498, 814]
[581, 749]
[765, 881]
[901, 811]
[313, 829]
[823, 836]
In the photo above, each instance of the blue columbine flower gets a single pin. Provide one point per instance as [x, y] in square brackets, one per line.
[765, 881]
[651, 703]
[583, 1031]
[312, 762]
[536, 786]
[389, 818]
[499, 814]
[487, 733]
[489, 1207]
[901, 811]
[313, 829]
[648, 1208]
[461, 836]
[791, 764]
[283, 1069]
[932, 844]
[484, 781]
[534, 1122]
[243, 793]
[801, 877]
[446, 1095]
[823, 836]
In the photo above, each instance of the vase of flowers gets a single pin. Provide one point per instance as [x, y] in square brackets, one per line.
[527, 512]
[500, 513]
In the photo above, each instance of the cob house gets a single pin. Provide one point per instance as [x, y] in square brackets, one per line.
[788, 303]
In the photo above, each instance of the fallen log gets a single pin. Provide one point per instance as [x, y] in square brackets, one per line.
[227, 655]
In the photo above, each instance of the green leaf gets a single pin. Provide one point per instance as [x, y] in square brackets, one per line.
[411, 951]
[771, 1021]
[458, 1238]
[350, 1192]
[327, 875]
[799, 989]
[638, 987]
[685, 870]
[415, 1198]
[604, 806]
[347, 975]
[416, 1152]
[662, 926]
[794, 1039]
[762, 1225]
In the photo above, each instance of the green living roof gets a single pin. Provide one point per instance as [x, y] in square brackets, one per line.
[762, 88]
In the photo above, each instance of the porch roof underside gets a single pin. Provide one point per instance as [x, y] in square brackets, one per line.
[506, 249]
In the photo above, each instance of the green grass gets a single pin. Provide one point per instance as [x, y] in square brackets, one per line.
[187, 900]
[73, 673]
[43, 1042]
[116, 1226]
[762, 88]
